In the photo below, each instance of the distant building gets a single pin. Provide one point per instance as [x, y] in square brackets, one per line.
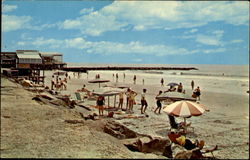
[30, 63]
[32, 59]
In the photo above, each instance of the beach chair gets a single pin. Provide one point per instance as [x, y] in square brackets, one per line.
[181, 127]
[77, 97]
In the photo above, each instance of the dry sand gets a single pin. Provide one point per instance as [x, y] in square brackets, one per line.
[35, 130]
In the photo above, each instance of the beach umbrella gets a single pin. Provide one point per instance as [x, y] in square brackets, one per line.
[184, 109]
[108, 91]
[173, 84]
[98, 81]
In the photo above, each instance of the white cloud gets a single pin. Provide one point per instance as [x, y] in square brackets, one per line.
[218, 50]
[236, 41]
[145, 15]
[9, 8]
[86, 10]
[208, 40]
[10, 22]
[106, 47]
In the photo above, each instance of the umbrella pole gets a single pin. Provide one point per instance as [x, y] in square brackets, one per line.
[99, 84]
[185, 125]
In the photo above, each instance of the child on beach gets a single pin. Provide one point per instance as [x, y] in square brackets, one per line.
[100, 103]
[158, 103]
[143, 101]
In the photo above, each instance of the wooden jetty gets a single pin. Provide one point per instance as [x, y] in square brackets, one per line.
[85, 69]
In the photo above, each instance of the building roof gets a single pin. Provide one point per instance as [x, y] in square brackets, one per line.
[50, 54]
[28, 56]
[27, 52]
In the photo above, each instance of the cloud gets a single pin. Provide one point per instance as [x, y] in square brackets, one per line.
[8, 8]
[218, 50]
[158, 15]
[208, 40]
[10, 22]
[236, 41]
[106, 47]
[86, 10]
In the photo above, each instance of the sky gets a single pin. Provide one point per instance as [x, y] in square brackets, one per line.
[130, 32]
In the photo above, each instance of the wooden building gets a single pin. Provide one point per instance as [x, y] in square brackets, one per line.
[29, 64]
[52, 60]
[8, 59]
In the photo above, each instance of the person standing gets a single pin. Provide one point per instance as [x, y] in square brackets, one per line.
[128, 97]
[192, 84]
[124, 77]
[121, 97]
[180, 87]
[132, 100]
[134, 79]
[158, 103]
[100, 104]
[143, 101]
[197, 92]
[52, 83]
[143, 81]
[116, 77]
[162, 82]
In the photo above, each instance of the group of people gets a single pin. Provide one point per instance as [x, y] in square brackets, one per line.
[130, 99]
[59, 83]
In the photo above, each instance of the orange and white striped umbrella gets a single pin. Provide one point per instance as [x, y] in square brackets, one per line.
[184, 109]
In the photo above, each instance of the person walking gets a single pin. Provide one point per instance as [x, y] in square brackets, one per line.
[158, 103]
[192, 84]
[143, 101]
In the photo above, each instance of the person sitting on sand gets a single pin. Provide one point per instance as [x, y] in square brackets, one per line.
[121, 97]
[143, 101]
[158, 103]
[100, 103]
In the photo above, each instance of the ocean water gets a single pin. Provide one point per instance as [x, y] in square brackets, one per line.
[213, 78]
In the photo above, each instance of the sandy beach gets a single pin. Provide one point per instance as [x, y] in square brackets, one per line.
[34, 130]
